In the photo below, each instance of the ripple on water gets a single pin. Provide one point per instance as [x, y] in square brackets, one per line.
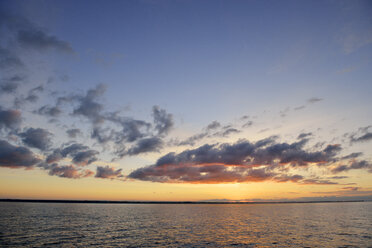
[105, 225]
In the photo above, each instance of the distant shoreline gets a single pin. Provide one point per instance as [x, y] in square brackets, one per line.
[167, 202]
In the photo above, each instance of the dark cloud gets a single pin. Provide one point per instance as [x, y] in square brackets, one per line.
[212, 126]
[102, 135]
[37, 137]
[39, 40]
[132, 130]
[191, 140]
[363, 164]
[73, 132]
[31, 97]
[197, 137]
[266, 141]
[247, 124]
[67, 171]
[224, 131]
[81, 155]
[88, 105]
[264, 130]
[9, 60]
[108, 172]
[8, 87]
[145, 145]
[299, 107]
[29, 36]
[54, 157]
[51, 111]
[314, 100]
[36, 89]
[85, 157]
[10, 84]
[200, 174]
[304, 135]
[361, 135]
[10, 119]
[162, 120]
[317, 181]
[351, 188]
[16, 156]
[288, 178]
[338, 177]
[236, 162]
[352, 155]
[111, 129]
[73, 149]
[216, 173]
[227, 132]
[363, 138]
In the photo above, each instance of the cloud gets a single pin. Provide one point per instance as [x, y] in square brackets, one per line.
[8, 87]
[363, 138]
[111, 129]
[54, 157]
[67, 171]
[224, 131]
[81, 155]
[132, 129]
[213, 125]
[88, 105]
[37, 137]
[10, 119]
[9, 60]
[352, 155]
[190, 140]
[85, 157]
[10, 84]
[236, 162]
[16, 156]
[214, 173]
[102, 135]
[29, 36]
[108, 172]
[73, 132]
[351, 188]
[31, 97]
[317, 181]
[162, 120]
[304, 135]
[39, 40]
[362, 135]
[51, 111]
[227, 132]
[299, 107]
[314, 100]
[247, 124]
[153, 144]
[363, 164]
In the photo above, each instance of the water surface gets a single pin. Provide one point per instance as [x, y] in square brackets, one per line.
[185, 225]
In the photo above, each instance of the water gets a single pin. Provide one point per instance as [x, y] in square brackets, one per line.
[152, 225]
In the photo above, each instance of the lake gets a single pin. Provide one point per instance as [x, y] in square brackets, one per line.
[347, 224]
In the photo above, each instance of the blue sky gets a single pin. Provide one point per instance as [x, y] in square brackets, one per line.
[291, 66]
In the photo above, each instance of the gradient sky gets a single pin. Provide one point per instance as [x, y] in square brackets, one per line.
[185, 100]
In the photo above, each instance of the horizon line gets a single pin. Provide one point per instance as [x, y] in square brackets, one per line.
[172, 202]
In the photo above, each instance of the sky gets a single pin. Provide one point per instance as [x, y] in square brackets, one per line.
[186, 100]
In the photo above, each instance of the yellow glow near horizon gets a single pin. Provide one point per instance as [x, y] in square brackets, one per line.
[35, 184]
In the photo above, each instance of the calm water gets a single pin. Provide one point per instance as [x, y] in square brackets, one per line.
[264, 225]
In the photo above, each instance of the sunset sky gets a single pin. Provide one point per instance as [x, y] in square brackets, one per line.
[186, 100]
